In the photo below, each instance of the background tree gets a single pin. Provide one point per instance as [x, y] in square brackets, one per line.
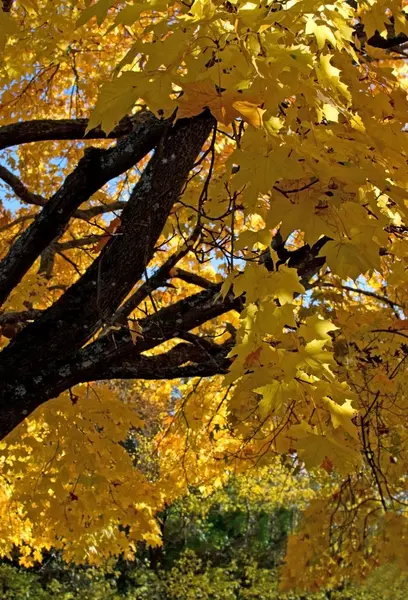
[210, 219]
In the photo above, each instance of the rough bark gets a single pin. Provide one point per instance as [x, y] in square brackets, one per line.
[39, 362]
[28, 197]
[39, 130]
[95, 169]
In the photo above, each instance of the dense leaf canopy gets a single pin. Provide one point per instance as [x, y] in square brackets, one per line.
[203, 267]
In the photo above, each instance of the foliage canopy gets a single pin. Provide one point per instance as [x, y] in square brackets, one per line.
[204, 254]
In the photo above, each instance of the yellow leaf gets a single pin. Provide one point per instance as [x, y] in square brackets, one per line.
[99, 10]
[323, 33]
[315, 356]
[7, 27]
[135, 330]
[273, 125]
[202, 10]
[284, 283]
[275, 396]
[251, 113]
[116, 99]
[316, 327]
[258, 283]
[346, 259]
[314, 450]
[328, 69]
[330, 112]
[342, 415]
[203, 94]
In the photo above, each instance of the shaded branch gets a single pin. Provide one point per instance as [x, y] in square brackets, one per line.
[88, 213]
[184, 360]
[113, 355]
[90, 302]
[24, 194]
[192, 278]
[20, 189]
[89, 240]
[11, 318]
[170, 322]
[59, 129]
[158, 278]
[95, 169]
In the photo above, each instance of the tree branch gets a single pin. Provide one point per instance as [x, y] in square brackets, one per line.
[184, 360]
[88, 213]
[90, 302]
[169, 322]
[62, 129]
[89, 240]
[95, 169]
[11, 318]
[156, 280]
[28, 197]
[349, 288]
[192, 278]
[20, 189]
[36, 380]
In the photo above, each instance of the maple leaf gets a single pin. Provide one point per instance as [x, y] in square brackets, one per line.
[347, 259]
[253, 358]
[8, 27]
[343, 415]
[203, 94]
[116, 99]
[323, 33]
[327, 464]
[225, 106]
[99, 10]
[274, 397]
[249, 111]
[135, 330]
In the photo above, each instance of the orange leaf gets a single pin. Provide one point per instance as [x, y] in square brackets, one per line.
[204, 94]
[253, 357]
[110, 230]
[251, 113]
[327, 464]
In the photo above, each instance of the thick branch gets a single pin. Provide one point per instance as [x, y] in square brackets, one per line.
[89, 303]
[169, 322]
[89, 240]
[184, 360]
[24, 194]
[112, 356]
[95, 169]
[11, 318]
[62, 129]
[88, 213]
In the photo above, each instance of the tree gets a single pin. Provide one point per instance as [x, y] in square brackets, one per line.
[212, 198]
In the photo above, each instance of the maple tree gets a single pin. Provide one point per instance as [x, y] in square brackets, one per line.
[203, 266]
